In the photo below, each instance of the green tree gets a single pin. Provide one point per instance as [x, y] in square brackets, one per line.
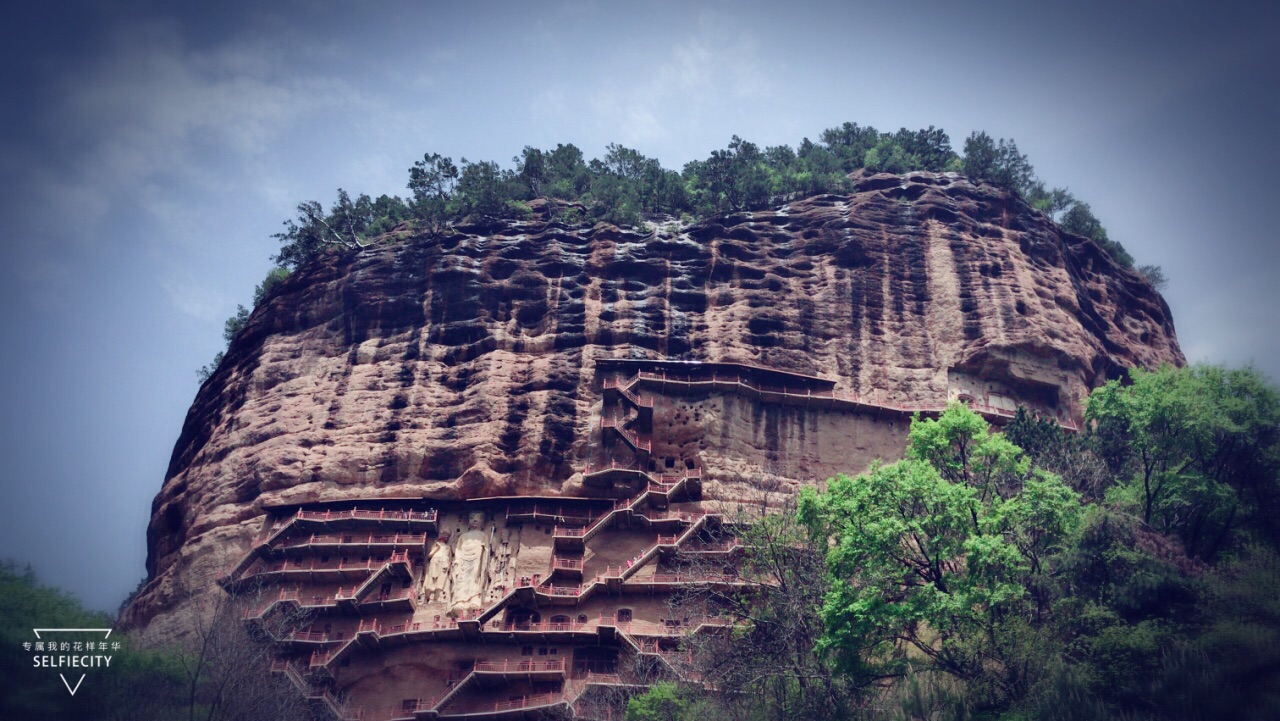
[348, 225]
[27, 692]
[889, 156]
[386, 213]
[433, 182]
[624, 162]
[1050, 202]
[1198, 451]
[664, 701]
[635, 183]
[531, 169]
[203, 373]
[736, 178]
[275, 277]
[567, 174]
[435, 176]
[232, 327]
[1121, 597]
[1073, 457]
[818, 170]
[937, 555]
[1154, 275]
[999, 163]
[849, 143]
[613, 199]
[1079, 219]
[980, 156]
[483, 189]
[931, 147]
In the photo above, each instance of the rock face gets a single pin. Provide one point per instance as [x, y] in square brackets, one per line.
[533, 360]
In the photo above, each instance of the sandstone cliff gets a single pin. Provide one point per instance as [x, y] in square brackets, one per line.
[468, 366]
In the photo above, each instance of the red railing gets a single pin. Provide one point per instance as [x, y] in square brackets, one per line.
[670, 655]
[543, 627]
[633, 438]
[513, 666]
[311, 564]
[361, 514]
[613, 466]
[599, 677]
[569, 564]
[315, 636]
[623, 626]
[625, 390]
[588, 530]
[639, 400]
[280, 524]
[666, 479]
[563, 590]
[295, 676]
[610, 572]
[650, 646]
[374, 626]
[410, 707]
[615, 383]
[441, 625]
[399, 628]
[684, 516]
[557, 512]
[319, 658]
[393, 595]
[397, 539]
[542, 699]
[664, 486]
[316, 600]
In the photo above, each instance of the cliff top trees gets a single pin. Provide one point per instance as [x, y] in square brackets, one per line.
[1079, 219]
[1001, 163]
[432, 181]
[348, 225]
[624, 184]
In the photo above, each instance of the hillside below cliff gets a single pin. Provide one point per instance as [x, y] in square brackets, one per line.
[467, 366]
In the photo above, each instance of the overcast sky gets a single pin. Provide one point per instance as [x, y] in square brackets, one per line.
[148, 152]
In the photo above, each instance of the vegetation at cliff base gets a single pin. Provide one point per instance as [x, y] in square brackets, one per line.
[27, 692]
[624, 186]
[1128, 572]
[217, 672]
